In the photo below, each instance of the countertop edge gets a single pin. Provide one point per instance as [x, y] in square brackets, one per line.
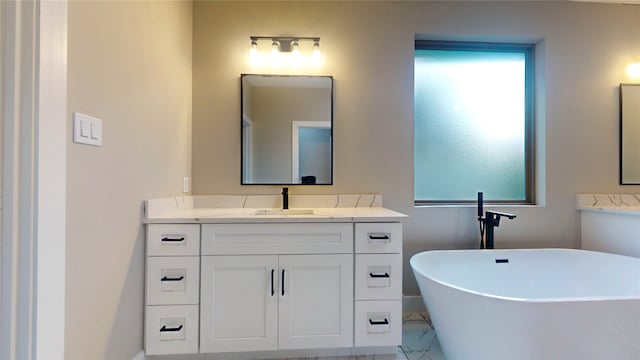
[611, 210]
[275, 220]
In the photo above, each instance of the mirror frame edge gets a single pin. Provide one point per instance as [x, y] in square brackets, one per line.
[621, 180]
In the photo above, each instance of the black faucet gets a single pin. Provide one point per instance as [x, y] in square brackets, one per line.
[490, 220]
[285, 198]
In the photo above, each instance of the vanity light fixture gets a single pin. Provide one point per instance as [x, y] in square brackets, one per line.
[286, 49]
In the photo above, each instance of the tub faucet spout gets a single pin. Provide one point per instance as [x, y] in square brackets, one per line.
[488, 221]
[492, 220]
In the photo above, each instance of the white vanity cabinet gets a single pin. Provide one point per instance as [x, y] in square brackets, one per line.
[241, 306]
[316, 302]
[378, 284]
[296, 294]
[172, 289]
[242, 283]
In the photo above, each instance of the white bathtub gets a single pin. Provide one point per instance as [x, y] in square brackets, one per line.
[541, 304]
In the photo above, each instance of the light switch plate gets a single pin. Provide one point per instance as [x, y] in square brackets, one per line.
[87, 129]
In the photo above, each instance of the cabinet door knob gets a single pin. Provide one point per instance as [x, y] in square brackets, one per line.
[166, 278]
[166, 329]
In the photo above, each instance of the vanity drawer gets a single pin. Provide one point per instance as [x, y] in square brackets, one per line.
[378, 237]
[378, 323]
[266, 239]
[173, 239]
[171, 329]
[173, 280]
[378, 277]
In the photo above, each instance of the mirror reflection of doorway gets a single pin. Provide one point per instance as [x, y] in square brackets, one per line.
[311, 152]
[247, 148]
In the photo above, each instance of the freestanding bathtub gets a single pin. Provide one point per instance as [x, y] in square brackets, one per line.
[532, 304]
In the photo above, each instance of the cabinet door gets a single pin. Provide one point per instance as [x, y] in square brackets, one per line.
[316, 301]
[239, 303]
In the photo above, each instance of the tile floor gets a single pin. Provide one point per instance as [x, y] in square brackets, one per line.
[419, 342]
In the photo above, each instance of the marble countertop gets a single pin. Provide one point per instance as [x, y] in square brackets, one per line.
[267, 209]
[624, 204]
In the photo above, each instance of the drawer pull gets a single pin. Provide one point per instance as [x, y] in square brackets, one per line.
[384, 322]
[379, 237]
[166, 329]
[385, 275]
[168, 239]
[166, 278]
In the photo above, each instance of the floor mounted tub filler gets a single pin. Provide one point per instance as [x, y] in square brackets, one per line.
[532, 303]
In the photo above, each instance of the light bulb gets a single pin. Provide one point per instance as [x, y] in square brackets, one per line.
[296, 57]
[316, 56]
[275, 52]
[633, 69]
[254, 54]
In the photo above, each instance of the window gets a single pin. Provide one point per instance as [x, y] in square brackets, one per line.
[473, 122]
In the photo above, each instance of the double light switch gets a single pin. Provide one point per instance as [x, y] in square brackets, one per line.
[87, 129]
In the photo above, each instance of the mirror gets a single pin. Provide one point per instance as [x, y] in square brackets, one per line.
[630, 134]
[287, 129]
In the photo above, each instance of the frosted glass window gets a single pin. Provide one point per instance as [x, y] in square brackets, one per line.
[472, 123]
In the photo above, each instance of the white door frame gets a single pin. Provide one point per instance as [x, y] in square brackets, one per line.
[247, 150]
[33, 60]
[295, 144]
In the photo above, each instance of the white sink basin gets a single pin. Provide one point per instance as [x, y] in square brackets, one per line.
[285, 212]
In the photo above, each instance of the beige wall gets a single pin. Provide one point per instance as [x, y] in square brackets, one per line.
[368, 48]
[129, 65]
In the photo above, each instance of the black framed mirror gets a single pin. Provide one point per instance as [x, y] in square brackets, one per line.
[287, 130]
[630, 134]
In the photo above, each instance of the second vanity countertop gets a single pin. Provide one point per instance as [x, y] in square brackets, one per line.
[264, 209]
[621, 204]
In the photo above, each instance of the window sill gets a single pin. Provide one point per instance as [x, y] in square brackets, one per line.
[453, 206]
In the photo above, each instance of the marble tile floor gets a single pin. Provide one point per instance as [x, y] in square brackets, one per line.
[419, 342]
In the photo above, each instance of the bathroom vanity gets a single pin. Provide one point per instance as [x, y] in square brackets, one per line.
[239, 277]
[610, 223]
